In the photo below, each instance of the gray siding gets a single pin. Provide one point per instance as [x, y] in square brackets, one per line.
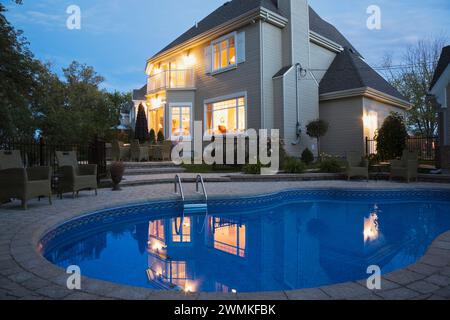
[278, 102]
[345, 117]
[271, 52]
[246, 77]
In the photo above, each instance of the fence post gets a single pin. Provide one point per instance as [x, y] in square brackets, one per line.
[367, 146]
[41, 151]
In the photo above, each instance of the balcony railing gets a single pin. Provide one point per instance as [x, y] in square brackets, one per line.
[171, 79]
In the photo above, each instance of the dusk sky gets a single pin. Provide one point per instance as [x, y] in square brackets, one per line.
[117, 36]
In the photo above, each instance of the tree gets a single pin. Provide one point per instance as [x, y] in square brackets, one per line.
[152, 136]
[391, 137]
[317, 129]
[141, 130]
[17, 69]
[413, 79]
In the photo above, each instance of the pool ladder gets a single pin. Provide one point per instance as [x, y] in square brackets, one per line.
[192, 208]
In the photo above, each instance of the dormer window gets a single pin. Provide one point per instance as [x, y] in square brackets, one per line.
[224, 53]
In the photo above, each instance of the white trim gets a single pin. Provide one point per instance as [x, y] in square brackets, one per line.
[220, 99]
[366, 92]
[218, 42]
[181, 105]
[234, 24]
[325, 42]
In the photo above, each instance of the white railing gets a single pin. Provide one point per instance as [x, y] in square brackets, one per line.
[171, 79]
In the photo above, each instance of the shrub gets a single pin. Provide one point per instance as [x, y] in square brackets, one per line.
[252, 168]
[293, 165]
[331, 165]
[152, 136]
[391, 138]
[317, 129]
[141, 128]
[307, 156]
[160, 137]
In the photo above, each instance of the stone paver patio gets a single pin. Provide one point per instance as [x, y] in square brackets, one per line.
[25, 274]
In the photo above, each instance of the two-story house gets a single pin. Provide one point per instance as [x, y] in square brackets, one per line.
[272, 64]
[440, 91]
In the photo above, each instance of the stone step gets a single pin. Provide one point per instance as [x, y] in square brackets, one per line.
[155, 164]
[106, 183]
[155, 170]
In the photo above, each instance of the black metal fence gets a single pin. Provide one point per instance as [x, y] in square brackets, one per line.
[39, 153]
[426, 147]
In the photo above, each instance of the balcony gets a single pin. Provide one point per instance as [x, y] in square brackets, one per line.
[171, 79]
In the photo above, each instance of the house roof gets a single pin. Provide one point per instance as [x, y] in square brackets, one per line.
[348, 71]
[444, 61]
[140, 93]
[282, 72]
[233, 9]
[327, 30]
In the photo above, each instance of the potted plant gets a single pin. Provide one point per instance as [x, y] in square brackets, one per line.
[117, 169]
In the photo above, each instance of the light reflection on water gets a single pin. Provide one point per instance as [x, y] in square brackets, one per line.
[293, 246]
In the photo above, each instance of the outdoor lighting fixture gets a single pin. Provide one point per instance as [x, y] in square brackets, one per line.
[189, 60]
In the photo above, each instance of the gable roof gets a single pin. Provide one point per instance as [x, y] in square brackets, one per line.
[348, 71]
[224, 13]
[140, 93]
[327, 30]
[233, 9]
[444, 61]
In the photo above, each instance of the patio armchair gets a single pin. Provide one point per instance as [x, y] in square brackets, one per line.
[407, 167]
[164, 151]
[357, 166]
[138, 152]
[74, 177]
[22, 183]
[119, 151]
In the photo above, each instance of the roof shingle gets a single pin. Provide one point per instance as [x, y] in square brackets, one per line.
[235, 8]
[349, 71]
[444, 61]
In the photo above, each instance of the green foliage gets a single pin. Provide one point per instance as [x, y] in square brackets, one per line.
[141, 129]
[33, 99]
[252, 168]
[317, 129]
[152, 136]
[413, 81]
[331, 165]
[391, 137]
[307, 156]
[160, 138]
[294, 165]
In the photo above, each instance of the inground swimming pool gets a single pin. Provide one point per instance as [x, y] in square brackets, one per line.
[289, 240]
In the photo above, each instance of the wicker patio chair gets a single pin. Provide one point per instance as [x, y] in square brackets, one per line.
[119, 151]
[407, 167]
[139, 152]
[74, 177]
[16, 182]
[163, 152]
[357, 166]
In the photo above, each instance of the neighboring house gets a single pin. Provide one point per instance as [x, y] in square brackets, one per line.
[272, 64]
[440, 90]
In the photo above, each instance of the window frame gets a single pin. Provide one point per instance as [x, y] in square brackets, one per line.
[236, 96]
[218, 42]
[181, 105]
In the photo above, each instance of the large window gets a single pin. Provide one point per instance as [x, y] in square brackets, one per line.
[226, 117]
[180, 121]
[224, 53]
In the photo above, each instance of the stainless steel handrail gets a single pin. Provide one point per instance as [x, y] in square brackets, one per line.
[198, 180]
[178, 183]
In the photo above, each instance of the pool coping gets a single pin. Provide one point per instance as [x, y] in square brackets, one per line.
[427, 278]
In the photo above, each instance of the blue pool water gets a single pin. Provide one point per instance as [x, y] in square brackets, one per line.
[291, 240]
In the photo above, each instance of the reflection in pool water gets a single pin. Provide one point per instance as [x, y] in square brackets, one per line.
[290, 246]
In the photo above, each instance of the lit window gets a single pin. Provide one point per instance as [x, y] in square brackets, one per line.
[228, 236]
[181, 230]
[224, 53]
[226, 117]
[180, 122]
